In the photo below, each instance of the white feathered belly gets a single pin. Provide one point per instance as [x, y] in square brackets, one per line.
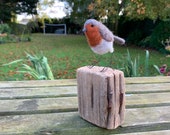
[103, 47]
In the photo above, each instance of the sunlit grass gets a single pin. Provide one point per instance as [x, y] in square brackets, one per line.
[67, 53]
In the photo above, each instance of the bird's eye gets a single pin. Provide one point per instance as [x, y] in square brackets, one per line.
[92, 25]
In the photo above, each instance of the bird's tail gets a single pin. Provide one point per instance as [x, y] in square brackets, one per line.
[119, 40]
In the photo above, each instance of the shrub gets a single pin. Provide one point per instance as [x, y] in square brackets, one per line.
[18, 29]
[135, 37]
[32, 26]
[4, 28]
[159, 34]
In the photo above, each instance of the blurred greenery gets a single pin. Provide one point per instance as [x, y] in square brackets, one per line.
[66, 53]
[160, 33]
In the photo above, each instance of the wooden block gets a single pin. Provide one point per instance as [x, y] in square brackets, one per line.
[101, 96]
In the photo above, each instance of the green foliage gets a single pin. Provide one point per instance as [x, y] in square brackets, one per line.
[147, 63]
[145, 42]
[134, 37]
[67, 53]
[157, 69]
[32, 25]
[9, 8]
[162, 70]
[14, 33]
[153, 9]
[18, 29]
[159, 34]
[132, 9]
[4, 28]
[97, 9]
[39, 69]
[131, 68]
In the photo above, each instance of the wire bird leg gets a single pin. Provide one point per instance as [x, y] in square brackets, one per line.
[94, 62]
[104, 68]
[109, 65]
[91, 66]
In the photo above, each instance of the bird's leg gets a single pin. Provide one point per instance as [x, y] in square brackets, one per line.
[91, 66]
[110, 63]
[94, 62]
[111, 59]
[104, 69]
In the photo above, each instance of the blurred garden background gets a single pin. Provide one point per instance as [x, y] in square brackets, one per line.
[28, 52]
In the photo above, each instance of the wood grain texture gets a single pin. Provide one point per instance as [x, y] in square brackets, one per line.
[38, 92]
[40, 83]
[73, 82]
[70, 123]
[59, 91]
[101, 96]
[50, 107]
[164, 132]
[15, 106]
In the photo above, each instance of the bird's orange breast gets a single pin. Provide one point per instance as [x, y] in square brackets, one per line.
[93, 35]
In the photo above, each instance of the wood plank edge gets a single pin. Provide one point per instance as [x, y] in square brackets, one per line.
[147, 105]
[49, 111]
[94, 130]
[148, 80]
[160, 132]
[73, 82]
[38, 96]
[71, 123]
[75, 109]
[38, 83]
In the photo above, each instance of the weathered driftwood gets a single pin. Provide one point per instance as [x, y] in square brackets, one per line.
[101, 96]
[50, 107]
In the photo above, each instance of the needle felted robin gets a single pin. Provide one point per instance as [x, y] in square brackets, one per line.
[99, 37]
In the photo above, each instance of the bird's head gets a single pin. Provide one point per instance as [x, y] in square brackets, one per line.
[91, 25]
[91, 30]
[92, 34]
[98, 27]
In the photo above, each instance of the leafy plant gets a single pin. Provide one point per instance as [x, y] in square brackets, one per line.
[4, 28]
[147, 63]
[32, 25]
[131, 67]
[157, 69]
[135, 37]
[4, 31]
[9, 36]
[162, 70]
[40, 69]
[160, 33]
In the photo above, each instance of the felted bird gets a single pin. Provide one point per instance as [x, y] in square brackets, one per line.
[99, 37]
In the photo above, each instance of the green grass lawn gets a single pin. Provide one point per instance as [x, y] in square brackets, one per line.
[67, 53]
